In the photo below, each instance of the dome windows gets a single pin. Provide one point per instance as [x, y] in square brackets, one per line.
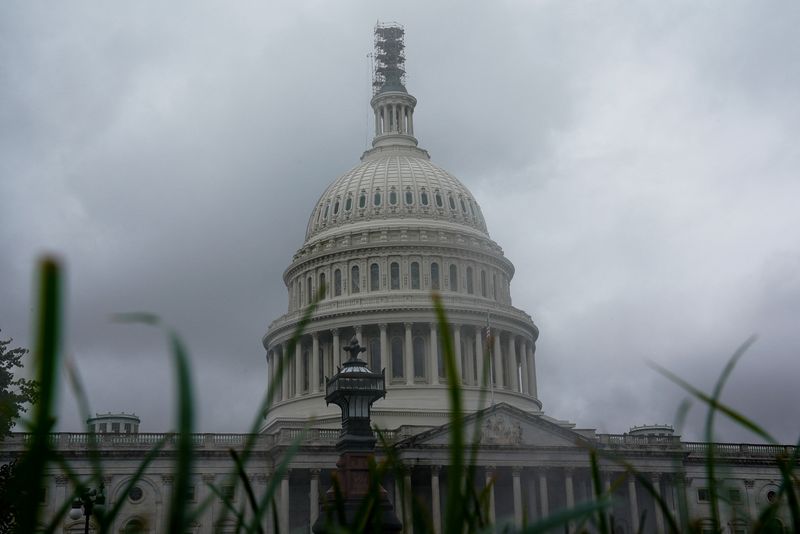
[409, 197]
[463, 206]
[415, 275]
[355, 286]
[336, 207]
[394, 275]
[453, 277]
[438, 197]
[348, 204]
[337, 283]
[362, 200]
[374, 277]
[434, 275]
[376, 198]
[423, 198]
[393, 197]
[470, 283]
[327, 205]
[451, 201]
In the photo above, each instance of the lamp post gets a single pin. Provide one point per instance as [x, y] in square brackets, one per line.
[354, 388]
[88, 502]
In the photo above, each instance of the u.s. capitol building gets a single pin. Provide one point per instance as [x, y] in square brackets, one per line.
[380, 239]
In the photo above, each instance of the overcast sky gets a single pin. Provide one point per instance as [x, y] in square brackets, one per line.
[637, 161]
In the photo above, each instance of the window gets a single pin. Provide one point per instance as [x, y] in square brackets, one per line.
[470, 286]
[134, 526]
[309, 292]
[463, 206]
[734, 495]
[326, 211]
[374, 277]
[423, 197]
[348, 204]
[397, 357]
[354, 285]
[103, 428]
[452, 202]
[135, 494]
[337, 283]
[439, 202]
[362, 200]
[92, 429]
[409, 197]
[115, 428]
[127, 428]
[703, 495]
[434, 275]
[453, 277]
[393, 197]
[228, 492]
[374, 354]
[336, 207]
[376, 199]
[483, 283]
[414, 275]
[394, 274]
[43, 495]
[322, 284]
[190, 495]
[419, 357]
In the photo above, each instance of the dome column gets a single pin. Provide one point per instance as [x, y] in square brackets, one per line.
[457, 351]
[498, 361]
[336, 351]
[384, 347]
[285, 377]
[479, 354]
[511, 364]
[298, 368]
[434, 363]
[314, 378]
[523, 353]
[408, 355]
[532, 389]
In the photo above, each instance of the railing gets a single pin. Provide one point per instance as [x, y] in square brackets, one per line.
[739, 449]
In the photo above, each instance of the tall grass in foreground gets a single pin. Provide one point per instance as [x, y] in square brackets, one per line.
[466, 507]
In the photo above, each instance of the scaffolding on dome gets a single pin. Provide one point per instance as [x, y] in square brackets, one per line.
[389, 60]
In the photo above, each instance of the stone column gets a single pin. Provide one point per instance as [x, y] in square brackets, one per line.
[408, 525]
[511, 364]
[543, 501]
[377, 123]
[384, 356]
[531, 504]
[570, 494]
[299, 371]
[479, 354]
[286, 374]
[313, 497]
[750, 497]
[656, 480]
[408, 355]
[335, 357]
[457, 350]
[436, 505]
[633, 503]
[498, 362]
[207, 517]
[314, 378]
[517, 487]
[490, 472]
[531, 370]
[523, 353]
[434, 364]
[283, 519]
[411, 121]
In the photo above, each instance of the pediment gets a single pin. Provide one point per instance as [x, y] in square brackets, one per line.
[503, 425]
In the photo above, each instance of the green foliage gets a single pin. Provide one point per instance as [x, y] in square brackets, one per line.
[15, 393]
[467, 507]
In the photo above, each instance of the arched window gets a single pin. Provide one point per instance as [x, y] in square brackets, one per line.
[309, 292]
[354, 282]
[470, 286]
[376, 199]
[423, 197]
[326, 211]
[337, 283]
[362, 200]
[452, 202]
[323, 289]
[453, 277]
[394, 274]
[374, 354]
[483, 283]
[348, 204]
[419, 357]
[134, 526]
[374, 277]
[393, 197]
[434, 275]
[397, 357]
[439, 202]
[409, 197]
[336, 207]
[414, 275]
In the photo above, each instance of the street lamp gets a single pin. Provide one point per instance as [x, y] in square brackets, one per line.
[354, 388]
[88, 502]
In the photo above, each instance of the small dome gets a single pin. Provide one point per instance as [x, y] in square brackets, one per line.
[400, 184]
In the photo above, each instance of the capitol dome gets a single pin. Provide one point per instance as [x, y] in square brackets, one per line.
[380, 240]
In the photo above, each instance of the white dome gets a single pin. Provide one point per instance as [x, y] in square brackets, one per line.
[395, 184]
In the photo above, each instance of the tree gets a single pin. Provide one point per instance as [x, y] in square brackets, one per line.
[15, 393]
